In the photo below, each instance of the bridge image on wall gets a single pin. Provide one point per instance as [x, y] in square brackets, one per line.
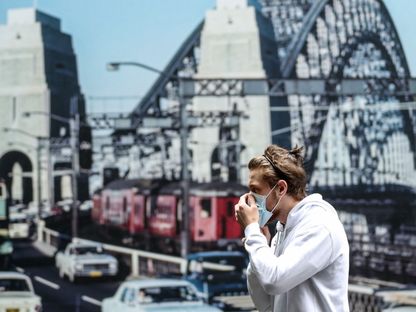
[360, 149]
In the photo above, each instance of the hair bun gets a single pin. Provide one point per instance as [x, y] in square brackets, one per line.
[296, 152]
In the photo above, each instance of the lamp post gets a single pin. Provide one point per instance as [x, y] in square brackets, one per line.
[74, 124]
[183, 131]
[115, 66]
[39, 147]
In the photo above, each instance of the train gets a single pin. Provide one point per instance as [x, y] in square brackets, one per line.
[150, 212]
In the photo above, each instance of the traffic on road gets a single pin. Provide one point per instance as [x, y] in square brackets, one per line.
[97, 292]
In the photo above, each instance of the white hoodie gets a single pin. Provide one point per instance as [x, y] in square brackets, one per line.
[306, 267]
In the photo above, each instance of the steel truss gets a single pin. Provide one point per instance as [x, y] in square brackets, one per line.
[332, 54]
[101, 121]
[405, 87]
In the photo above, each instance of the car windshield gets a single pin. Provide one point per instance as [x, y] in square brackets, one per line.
[87, 250]
[167, 294]
[13, 284]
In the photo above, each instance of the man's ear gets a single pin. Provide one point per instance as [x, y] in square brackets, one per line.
[282, 187]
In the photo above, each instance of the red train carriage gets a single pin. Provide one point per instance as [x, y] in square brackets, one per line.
[165, 216]
[212, 221]
[122, 204]
[212, 217]
[117, 199]
[144, 208]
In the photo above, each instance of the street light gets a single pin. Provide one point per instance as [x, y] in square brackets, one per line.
[38, 152]
[185, 243]
[115, 66]
[74, 124]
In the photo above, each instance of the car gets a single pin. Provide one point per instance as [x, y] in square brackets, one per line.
[156, 295]
[86, 205]
[19, 226]
[17, 208]
[82, 259]
[17, 294]
[217, 273]
[65, 205]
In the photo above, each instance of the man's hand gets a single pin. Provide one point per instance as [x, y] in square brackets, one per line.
[246, 211]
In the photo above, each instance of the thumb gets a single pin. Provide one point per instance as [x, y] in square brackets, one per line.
[250, 200]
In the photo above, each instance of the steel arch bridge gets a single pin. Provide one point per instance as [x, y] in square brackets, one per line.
[347, 39]
[363, 139]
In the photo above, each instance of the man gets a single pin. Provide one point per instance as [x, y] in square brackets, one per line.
[305, 268]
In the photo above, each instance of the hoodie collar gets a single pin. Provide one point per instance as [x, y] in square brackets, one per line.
[296, 213]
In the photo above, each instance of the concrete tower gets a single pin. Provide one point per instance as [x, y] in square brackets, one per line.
[236, 42]
[38, 73]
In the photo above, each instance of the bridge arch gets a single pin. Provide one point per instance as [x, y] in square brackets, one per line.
[7, 161]
[349, 39]
[330, 39]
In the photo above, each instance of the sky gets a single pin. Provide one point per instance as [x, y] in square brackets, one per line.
[149, 32]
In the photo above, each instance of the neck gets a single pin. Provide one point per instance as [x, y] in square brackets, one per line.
[287, 205]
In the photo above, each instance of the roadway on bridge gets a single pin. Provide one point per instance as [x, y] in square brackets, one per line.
[60, 295]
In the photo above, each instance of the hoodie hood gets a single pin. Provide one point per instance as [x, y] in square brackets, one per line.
[303, 208]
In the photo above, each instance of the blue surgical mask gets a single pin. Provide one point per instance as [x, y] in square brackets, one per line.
[264, 214]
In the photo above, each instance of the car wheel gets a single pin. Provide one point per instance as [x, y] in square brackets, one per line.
[72, 278]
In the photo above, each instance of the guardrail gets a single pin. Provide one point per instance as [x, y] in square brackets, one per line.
[144, 263]
[141, 263]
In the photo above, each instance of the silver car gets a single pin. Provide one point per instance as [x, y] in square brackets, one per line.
[156, 295]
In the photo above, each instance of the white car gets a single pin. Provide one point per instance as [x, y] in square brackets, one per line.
[85, 260]
[86, 205]
[19, 225]
[17, 208]
[156, 295]
[17, 294]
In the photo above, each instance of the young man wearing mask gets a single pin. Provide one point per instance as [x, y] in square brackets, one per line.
[305, 266]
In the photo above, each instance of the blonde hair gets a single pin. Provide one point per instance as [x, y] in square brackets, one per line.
[279, 163]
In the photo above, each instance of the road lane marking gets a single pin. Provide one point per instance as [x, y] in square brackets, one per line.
[20, 270]
[91, 300]
[46, 282]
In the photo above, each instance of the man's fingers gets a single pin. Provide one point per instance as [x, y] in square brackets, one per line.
[236, 210]
[242, 200]
[250, 200]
